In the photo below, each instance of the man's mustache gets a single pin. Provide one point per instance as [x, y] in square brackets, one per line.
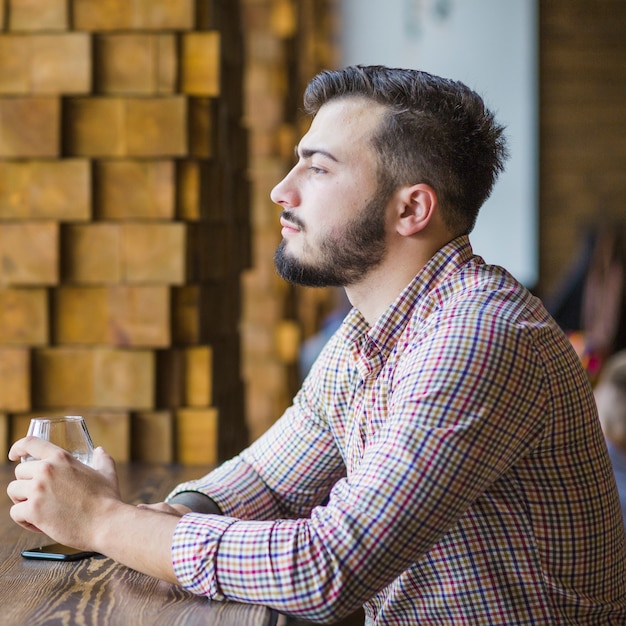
[294, 219]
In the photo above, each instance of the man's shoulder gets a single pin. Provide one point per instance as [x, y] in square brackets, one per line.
[484, 290]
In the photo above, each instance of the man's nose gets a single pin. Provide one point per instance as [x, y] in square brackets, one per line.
[284, 193]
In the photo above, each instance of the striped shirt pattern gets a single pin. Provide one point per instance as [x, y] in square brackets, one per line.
[444, 466]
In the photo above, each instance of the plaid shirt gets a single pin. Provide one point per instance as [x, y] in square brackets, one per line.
[444, 466]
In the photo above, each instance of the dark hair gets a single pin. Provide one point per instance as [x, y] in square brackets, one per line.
[436, 131]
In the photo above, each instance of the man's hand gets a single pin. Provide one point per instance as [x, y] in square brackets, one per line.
[58, 495]
[81, 507]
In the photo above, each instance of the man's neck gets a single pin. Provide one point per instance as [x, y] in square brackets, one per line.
[380, 287]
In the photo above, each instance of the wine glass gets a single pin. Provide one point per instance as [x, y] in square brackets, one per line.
[68, 432]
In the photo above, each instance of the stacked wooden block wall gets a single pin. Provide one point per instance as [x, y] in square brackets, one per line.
[124, 222]
[287, 42]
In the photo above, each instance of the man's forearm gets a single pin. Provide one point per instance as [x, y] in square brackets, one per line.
[138, 538]
[141, 537]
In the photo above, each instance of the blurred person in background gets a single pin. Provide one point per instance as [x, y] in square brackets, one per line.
[610, 393]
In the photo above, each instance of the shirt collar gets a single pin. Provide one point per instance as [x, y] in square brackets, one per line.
[383, 335]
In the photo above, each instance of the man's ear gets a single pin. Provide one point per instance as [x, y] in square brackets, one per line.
[416, 207]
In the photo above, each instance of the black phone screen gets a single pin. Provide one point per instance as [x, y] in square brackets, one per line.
[56, 552]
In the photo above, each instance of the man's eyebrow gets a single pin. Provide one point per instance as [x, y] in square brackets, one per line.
[307, 153]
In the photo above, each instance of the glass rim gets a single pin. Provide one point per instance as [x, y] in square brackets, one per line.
[59, 418]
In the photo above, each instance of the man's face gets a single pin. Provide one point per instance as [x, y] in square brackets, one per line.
[333, 216]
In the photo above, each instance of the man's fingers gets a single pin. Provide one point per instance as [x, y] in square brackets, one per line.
[104, 463]
[16, 491]
[33, 447]
[18, 515]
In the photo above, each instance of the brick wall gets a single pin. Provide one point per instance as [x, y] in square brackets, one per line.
[582, 127]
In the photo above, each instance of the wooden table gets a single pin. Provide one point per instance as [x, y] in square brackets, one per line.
[99, 591]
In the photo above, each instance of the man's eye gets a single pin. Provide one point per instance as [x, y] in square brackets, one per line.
[317, 170]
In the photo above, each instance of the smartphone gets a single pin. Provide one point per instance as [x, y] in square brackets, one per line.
[56, 552]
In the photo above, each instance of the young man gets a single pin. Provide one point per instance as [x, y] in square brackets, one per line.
[443, 462]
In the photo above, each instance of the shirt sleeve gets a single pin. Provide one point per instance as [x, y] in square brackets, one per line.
[465, 402]
[283, 474]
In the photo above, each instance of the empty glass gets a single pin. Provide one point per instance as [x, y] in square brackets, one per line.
[68, 432]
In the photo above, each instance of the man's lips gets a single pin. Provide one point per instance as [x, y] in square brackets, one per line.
[288, 227]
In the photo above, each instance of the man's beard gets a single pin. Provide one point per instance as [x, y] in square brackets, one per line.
[344, 257]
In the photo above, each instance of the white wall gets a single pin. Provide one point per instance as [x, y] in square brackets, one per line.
[491, 45]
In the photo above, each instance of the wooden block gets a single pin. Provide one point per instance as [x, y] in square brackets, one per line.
[61, 63]
[196, 436]
[103, 252]
[189, 187]
[227, 349]
[80, 316]
[200, 63]
[35, 15]
[124, 378]
[199, 376]
[170, 378]
[60, 190]
[156, 126]
[233, 433]
[135, 316]
[187, 315]
[101, 378]
[212, 251]
[29, 127]
[218, 309]
[283, 20]
[167, 64]
[115, 74]
[137, 127]
[139, 316]
[18, 427]
[103, 15]
[154, 253]
[202, 121]
[30, 253]
[95, 127]
[208, 14]
[107, 15]
[23, 317]
[63, 377]
[15, 178]
[154, 69]
[185, 377]
[112, 431]
[288, 338]
[45, 189]
[4, 421]
[91, 253]
[15, 58]
[200, 186]
[152, 437]
[15, 377]
[215, 202]
[167, 14]
[138, 189]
